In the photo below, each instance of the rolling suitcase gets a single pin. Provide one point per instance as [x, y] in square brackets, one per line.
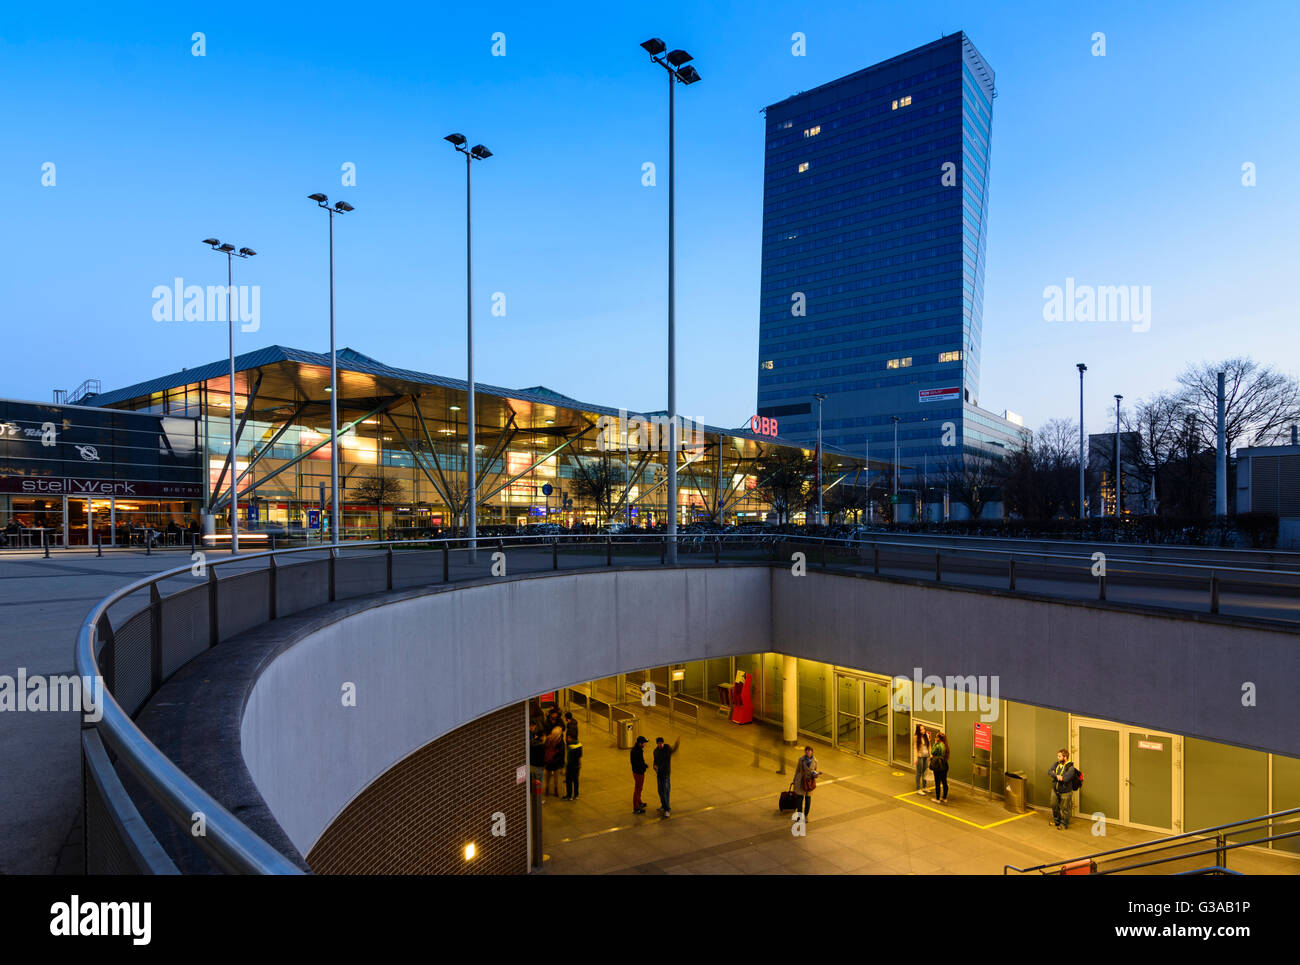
[790, 801]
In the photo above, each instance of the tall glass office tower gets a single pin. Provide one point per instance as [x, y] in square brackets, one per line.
[875, 207]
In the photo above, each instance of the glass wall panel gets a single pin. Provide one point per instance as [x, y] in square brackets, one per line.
[1035, 735]
[718, 671]
[1222, 783]
[693, 683]
[1286, 795]
[815, 698]
[773, 684]
[961, 740]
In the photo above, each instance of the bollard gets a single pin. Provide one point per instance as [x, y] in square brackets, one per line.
[1214, 592]
[1011, 573]
[938, 568]
[1101, 587]
[875, 559]
[45, 542]
[99, 546]
[148, 543]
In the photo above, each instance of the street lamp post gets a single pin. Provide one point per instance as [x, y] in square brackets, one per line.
[820, 399]
[677, 63]
[336, 514]
[476, 153]
[1119, 489]
[1082, 368]
[231, 253]
[894, 513]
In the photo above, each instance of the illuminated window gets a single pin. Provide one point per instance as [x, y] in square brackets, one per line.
[902, 102]
[791, 236]
[950, 356]
[813, 131]
[803, 167]
[767, 364]
[899, 363]
[785, 125]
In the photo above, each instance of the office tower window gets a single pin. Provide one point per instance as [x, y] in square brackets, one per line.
[950, 356]
[767, 364]
[803, 167]
[812, 131]
[902, 102]
[899, 363]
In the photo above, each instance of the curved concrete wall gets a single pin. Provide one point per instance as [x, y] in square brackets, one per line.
[424, 665]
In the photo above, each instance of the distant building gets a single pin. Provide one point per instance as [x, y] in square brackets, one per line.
[1268, 481]
[1135, 485]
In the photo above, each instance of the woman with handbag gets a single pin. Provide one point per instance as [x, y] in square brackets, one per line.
[921, 753]
[805, 779]
[939, 764]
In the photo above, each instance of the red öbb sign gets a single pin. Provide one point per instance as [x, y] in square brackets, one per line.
[762, 425]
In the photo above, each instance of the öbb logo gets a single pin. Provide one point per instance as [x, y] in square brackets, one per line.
[762, 425]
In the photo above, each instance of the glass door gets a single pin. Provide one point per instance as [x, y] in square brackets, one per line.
[1129, 774]
[875, 718]
[848, 714]
[1150, 783]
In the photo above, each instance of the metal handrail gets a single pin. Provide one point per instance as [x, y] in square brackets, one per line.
[230, 843]
[1201, 833]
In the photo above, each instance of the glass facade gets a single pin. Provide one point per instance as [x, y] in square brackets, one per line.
[874, 233]
[541, 457]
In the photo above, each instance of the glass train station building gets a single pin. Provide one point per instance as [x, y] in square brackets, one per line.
[155, 454]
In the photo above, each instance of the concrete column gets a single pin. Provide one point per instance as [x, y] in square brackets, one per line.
[790, 699]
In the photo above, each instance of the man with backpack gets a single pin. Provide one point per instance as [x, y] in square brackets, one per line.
[1066, 779]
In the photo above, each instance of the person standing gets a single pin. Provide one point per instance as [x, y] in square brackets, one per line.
[572, 765]
[639, 767]
[921, 753]
[939, 764]
[570, 727]
[1063, 774]
[805, 779]
[554, 758]
[663, 762]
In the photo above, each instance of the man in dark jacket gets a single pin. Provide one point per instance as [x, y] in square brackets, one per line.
[663, 758]
[572, 767]
[638, 774]
[570, 727]
[1063, 774]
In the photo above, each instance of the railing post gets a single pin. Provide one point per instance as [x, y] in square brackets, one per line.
[1011, 572]
[446, 563]
[1101, 587]
[823, 554]
[273, 588]
[609, 550]
[273, 542]
[717, 549]
[875, 559]
[1214, 592]
[388, 566]
[333, 558]
[194, 542]
[214, 628]
[555, 555]
[99, 546]
[155, 638]
[663, 551]
[938, 568]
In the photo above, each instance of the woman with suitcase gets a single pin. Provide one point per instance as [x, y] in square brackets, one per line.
[805, 779]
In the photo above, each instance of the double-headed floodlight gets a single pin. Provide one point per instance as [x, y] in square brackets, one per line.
[231, 253]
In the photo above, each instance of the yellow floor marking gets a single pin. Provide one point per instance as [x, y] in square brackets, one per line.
[907, 796]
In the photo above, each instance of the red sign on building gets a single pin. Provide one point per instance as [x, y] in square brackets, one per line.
[983, 737]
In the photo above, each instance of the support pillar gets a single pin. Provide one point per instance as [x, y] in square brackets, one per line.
[790, 700]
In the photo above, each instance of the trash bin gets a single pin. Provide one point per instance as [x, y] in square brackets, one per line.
[626, 733]
[1013, 788]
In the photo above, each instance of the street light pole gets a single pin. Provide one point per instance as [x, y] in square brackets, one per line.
[820, 399]
[476, 153]
[677, 63]
[894, 513]
[1082, 368]
[230, 252]
[1119, 490]
[336, 512]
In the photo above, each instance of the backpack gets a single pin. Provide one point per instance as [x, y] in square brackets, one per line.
[1078, 780]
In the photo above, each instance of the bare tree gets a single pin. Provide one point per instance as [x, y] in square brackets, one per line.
[1158, 422]
[970, 479]
[379, 490]
[599, 481]
[1260, 402]
[783, 480]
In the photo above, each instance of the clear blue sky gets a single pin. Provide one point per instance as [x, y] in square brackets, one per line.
[1117, 170]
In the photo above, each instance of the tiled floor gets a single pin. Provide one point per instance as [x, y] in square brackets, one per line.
[865, 818]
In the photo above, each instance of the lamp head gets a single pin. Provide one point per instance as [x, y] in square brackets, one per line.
[211, 242]
[480, 152]
[457, 140]
[318, 198]
[1081, 367]
[226, 247]
[654, 46]
[343, 206]
[678, 57]
[247, 252]
[688, 75]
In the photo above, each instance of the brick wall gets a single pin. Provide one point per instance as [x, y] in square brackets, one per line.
[417, 817]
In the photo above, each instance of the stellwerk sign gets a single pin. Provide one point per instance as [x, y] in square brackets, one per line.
[75, 486]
